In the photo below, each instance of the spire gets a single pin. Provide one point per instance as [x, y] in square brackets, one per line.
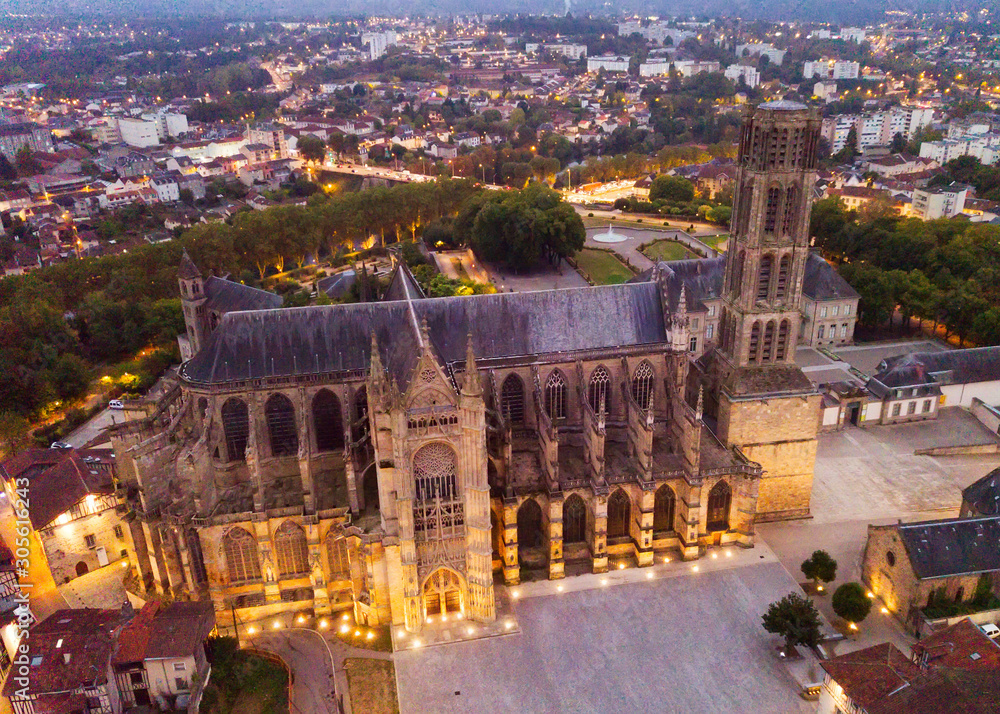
[682, 303]
[425, 333]
[471, 387]
[187, 270]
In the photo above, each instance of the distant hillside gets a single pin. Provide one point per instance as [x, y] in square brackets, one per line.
[843, 11]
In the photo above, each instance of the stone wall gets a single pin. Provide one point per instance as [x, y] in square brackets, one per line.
[66, 547]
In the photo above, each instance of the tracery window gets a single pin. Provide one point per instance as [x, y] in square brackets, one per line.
[719, 501]
[512, 399]
[764, 277]
[768, 347]
[280, 415]
[782, 341]
[336, 556]
[771, 209]
[438, 508]
[529, 525]
[291, 550]
[663, 509]
[642, 385]
[555, 395]
[619, 512]
[328, 421]
[754, 353]
[242, 556]
[598, 391]
[791, 205]
[784, 265]
[236, 425]
[574, 520]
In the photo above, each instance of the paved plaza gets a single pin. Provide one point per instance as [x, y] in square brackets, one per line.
[669, 639]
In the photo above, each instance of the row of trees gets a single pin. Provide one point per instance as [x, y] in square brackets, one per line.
[945, 271]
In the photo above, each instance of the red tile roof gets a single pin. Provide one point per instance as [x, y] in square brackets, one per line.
[135, 636]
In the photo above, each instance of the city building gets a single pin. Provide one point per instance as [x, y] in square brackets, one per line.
[14, 137]
[913, 566]
[954, 670]
[138, 132]
[608, 64]
[379, 42]
[831, 69]
[169, 125]
[939, 201]
[761, 50]
[985, 147]
[749, 75]
[271, 135]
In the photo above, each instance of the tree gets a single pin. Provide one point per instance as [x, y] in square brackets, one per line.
[851, 602]
[311, 148]
[820, 567]
[898, 143]
[794, 618]
[671, 188]
[13, 432]
[7, 171]
[850, 150]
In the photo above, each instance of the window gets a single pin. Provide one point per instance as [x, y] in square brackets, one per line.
[574, 520]
[709, 331]
[771, 209]
[337, 558]
[768, 350]
[280, 415]
[236, 425]
[328, 421]
[819, 332]
[754, 353]
[834, 310]
[180, 667]
[555, 395]
[822, 312]
[598, 394]
[719, 501]
[663, 509]
[895, 409]
[926, 406]
[782, 347]
[843, 330]
[119, 532]
[512, 399]
[619, 512]
[890, 558]
[911, 408]
[642, 385]
[694, 323]
[197, 557]
[180, 684]
[784, 265]
[138, 679]
[530, 533]
[291, 550]
[242, 558]
[711, 310]
[764, 277]
[847, 310]
[693, 344]
[791, 203]
[91, 541]
[438, 508]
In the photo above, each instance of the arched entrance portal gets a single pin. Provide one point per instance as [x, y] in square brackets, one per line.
[443, 593]
[81, 569]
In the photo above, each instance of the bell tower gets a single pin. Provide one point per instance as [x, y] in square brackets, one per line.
[756, 397]
[769, 244]
[192, 289]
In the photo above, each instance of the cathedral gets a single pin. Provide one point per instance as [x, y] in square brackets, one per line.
[402, 459]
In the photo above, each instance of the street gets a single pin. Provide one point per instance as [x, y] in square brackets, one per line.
[309, 658]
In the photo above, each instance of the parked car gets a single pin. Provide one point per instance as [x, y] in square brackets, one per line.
[116, 404]
[991, 630]
[60, 445]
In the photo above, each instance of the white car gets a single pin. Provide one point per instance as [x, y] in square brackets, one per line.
[116, 404]
[991, 630]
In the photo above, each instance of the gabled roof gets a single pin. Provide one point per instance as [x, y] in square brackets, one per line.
[869, 675]
[228, 296]
[981, 364]
[403, 286]
[952, 546]
[187, 270]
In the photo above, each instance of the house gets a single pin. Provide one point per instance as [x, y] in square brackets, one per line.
[982, 498]
[958, 376]
[443, 151]
[954, 671]
[24, 260]
[713, 179]
[913, 566]
[73, 507]
[167, 186]
[467, 138]
[132, 165]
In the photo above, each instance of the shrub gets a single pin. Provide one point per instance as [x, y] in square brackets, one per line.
[820, 567]
[851, 602]
[590, 215]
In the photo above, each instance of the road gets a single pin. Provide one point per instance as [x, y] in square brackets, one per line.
[700, 228]
[307, 655]
[89, 431]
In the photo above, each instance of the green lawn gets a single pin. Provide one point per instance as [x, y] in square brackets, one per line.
[603, 268]
[714, 241]
[668, 250]
[373, 685]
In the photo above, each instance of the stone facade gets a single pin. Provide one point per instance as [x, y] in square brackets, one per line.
[74, 545]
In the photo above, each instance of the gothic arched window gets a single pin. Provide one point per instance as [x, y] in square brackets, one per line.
[642, 385]
[336, 556]
[280, 415]
[768, 348]
[242, 557]
[764, 277]
[619, 513]
[434, 469]
[512, 399]
[754, 353]
[663, 509]
[784, 265]
[719, 501]
[782, 341]
[196, 555]
[236, 425]
[791, 205]
[555, 395]
[530, 533]
[291, 550]
[598, 391]
[771, 209]
[574, 520]
[328, 421]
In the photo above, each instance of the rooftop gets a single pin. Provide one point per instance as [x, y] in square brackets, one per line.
[952, 546]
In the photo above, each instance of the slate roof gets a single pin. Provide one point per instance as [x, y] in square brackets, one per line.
[187, 270]
[402, 285]
[180, 629]
[984, 494]
[337, 285]
[952, 546]
[703, 278]
[981, 364]
[228, 296]
[335, 338]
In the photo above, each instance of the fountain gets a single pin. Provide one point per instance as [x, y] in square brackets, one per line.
[609, 237]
